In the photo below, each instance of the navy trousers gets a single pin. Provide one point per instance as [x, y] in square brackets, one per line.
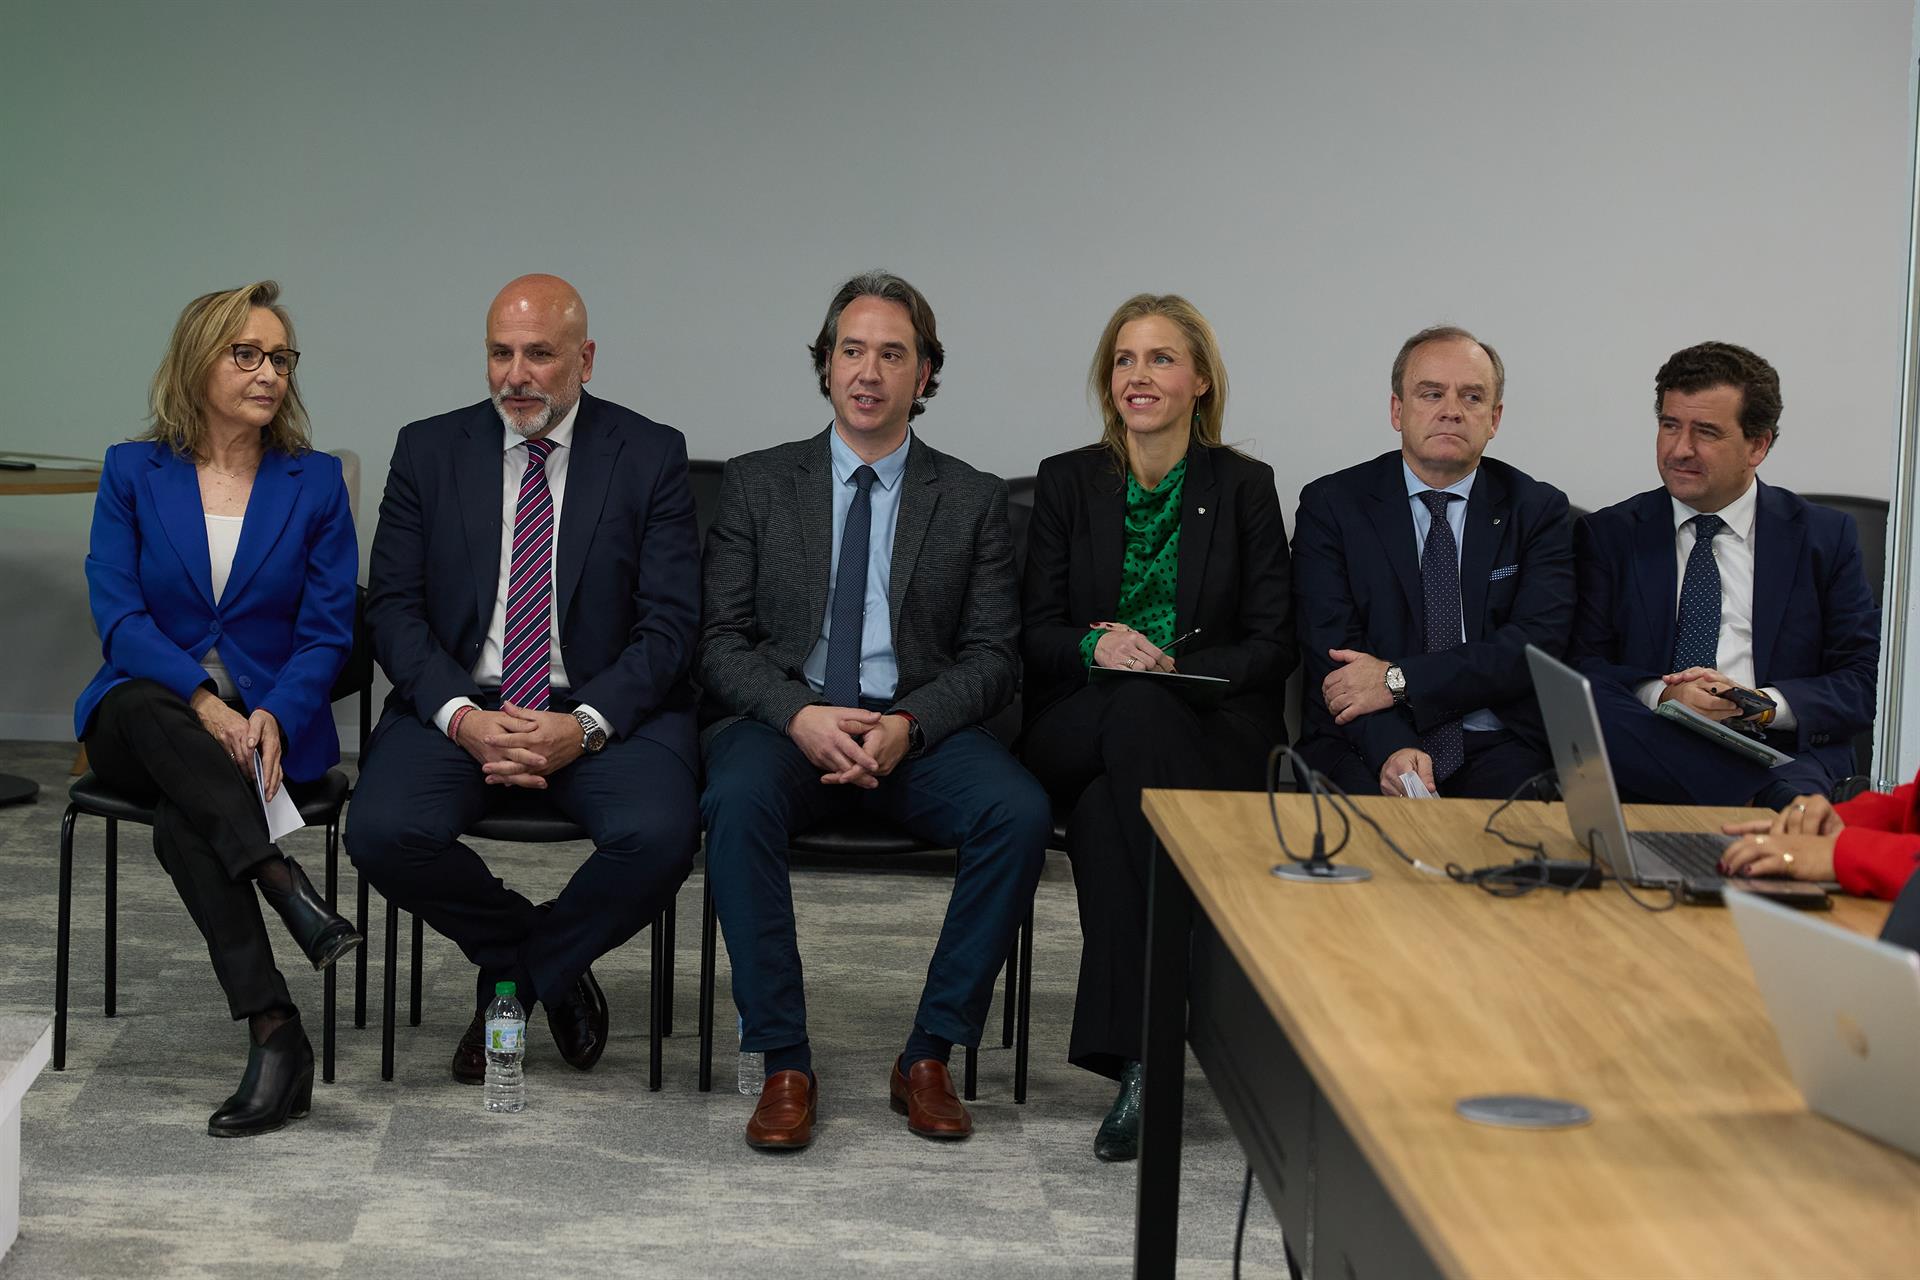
[419, 791]
[965, 793]
[1657, 762]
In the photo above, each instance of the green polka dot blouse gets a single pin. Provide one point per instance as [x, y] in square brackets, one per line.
[1150, 570]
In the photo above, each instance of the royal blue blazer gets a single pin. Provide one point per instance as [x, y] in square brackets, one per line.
[284, 623]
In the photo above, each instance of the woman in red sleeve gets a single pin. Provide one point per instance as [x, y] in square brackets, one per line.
[1870, 844]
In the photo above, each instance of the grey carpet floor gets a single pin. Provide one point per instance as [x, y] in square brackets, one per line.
[598, 1177]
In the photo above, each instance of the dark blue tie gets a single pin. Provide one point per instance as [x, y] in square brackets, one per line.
[1440, 578]
[1696, 635]
[848, 613]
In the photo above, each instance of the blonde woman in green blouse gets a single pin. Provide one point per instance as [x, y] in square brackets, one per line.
[1155, 549]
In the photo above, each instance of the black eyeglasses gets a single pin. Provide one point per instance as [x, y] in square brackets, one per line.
[247, 358]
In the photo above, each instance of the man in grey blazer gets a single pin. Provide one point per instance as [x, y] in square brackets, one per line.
[860, 625]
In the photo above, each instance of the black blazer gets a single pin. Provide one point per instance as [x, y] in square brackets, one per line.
[626, 568]
[1357, 586]
[1233, 578]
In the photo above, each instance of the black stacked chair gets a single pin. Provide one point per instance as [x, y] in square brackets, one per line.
[861, 836]
[526, 818]
[1870, 515]
[92, 797]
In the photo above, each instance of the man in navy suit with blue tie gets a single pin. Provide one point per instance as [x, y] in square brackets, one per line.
[1419, 579]
[1715, 580]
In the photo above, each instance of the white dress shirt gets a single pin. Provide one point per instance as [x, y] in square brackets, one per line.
[513, 469]
[1733, 552]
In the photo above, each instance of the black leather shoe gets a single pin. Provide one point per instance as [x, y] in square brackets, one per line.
[578, 1020]
[1119, 1136]
[324, 935]
[277, 1087]
[470, 1055]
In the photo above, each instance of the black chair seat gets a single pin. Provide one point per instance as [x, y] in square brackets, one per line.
[96, 799]
[527, 828]
[857, 835]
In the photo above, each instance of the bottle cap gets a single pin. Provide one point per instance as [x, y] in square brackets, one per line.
[503, 988]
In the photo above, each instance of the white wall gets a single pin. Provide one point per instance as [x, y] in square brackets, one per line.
[1590, 186]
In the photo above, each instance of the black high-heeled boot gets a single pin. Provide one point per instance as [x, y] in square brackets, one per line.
[1119, 1136]
[322, 934]
[277, 1087]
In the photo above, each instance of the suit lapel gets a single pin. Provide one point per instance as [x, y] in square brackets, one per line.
[813, 500]
[919, 495]
[477, 477]
[1778, 532]
[1488, 511]
[269, 507]
[1107, 531]
[175, 486]
[1392, 520]
[1198, 515]
[589, 471]
[1653, 558]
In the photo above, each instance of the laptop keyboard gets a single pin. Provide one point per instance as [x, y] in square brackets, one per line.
[1694, 854]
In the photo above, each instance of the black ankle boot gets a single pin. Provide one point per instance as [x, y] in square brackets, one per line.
[277, 1087]
[323, 935]
[1119, 1136]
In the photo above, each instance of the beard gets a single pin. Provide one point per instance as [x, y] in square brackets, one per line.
[534, 423]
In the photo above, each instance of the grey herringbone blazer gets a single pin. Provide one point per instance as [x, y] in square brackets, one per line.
[953, 596]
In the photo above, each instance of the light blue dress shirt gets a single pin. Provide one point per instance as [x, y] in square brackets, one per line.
[879, 670]
[1483, 720]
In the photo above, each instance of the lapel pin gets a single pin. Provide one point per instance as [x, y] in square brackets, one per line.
[1200, 511]
[1496, 519]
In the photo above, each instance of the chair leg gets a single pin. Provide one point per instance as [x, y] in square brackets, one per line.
[113, 914]
[972, 1073]
[1025, 943]
[666, 974]
[1006, 1004]
[390, 990]
[655, 1017]
[329, 982]
[707, 930]
[64, 936]
[360, 961]
[413, 995]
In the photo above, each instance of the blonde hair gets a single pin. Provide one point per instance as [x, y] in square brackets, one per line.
[177, 401]
[1209, 409]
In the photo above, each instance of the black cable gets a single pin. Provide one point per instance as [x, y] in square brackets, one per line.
[1240, 1232]
[1673, 894]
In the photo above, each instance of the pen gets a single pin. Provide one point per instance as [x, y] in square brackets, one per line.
[1178, 640]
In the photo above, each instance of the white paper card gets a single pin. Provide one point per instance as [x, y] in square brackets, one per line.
[1415, 789]
[283, 815]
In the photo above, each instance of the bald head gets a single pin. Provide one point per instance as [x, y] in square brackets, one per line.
[538, 353]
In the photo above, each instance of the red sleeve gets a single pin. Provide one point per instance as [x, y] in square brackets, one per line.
[1878, 811]
[1875, 864]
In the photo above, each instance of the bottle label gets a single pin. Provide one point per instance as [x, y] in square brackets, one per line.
[503, 1035]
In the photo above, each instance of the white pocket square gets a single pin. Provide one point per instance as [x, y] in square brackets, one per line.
[1505, 571]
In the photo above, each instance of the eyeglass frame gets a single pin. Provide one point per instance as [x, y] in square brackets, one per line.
[288, 354]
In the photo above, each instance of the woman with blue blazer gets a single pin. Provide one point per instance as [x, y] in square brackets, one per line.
[221, 574]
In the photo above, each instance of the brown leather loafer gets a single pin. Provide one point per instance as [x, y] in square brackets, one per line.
[783, 1118]
[470, 1055]
[926, 1098]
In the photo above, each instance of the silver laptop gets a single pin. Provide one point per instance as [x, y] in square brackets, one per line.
[1680, 860]
[1847, 1012]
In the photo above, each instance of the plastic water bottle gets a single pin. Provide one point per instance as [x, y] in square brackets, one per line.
[753, 1066]
[506, 1087]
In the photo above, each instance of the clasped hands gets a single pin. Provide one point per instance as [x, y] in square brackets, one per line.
[850, 745]
[519, 747]
[1693, 688]
[240, 736]
[1798, 842]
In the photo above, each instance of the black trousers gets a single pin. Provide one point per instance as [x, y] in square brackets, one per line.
[1095, 751]
[146, 743]
[419, 791]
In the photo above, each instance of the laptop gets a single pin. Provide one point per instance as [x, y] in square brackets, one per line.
[1684, 861]
[1847, 1012]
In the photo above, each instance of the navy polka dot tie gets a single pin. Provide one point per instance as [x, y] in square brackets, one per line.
[1440, 577]
[1696, 634]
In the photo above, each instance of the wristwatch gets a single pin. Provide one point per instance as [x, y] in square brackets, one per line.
[592, 736]
[915, 738]
[1397, 684]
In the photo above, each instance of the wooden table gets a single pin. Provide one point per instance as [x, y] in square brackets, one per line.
[42, 479]
[1339, 1023]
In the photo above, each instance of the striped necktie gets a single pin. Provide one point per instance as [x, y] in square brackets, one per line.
[526, 649]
